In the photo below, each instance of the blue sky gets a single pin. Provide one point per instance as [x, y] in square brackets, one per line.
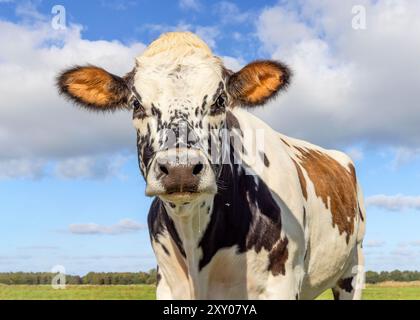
[70, 190]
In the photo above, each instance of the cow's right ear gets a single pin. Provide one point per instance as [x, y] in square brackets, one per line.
[94, 88]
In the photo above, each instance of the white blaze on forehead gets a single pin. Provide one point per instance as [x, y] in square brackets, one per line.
[178, 65]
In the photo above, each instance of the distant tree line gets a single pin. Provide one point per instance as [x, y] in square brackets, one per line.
[396, 275]
[127, 278]
[92, 278]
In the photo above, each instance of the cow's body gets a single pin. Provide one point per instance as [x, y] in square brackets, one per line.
[306, 240]
[287, 226]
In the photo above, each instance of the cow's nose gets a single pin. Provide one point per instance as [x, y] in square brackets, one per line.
[180, 177]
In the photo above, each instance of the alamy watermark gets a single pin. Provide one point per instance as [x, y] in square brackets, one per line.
[358, 21]
[224, 146]
[59, 280]
[58, 21]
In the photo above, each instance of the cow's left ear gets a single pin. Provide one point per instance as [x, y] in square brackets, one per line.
[258, 81]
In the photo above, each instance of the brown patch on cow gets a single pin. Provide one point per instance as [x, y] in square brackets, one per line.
[346, 284]
[285, 142]
[258, 81]
[353, 173]
[302, 180]
[94, 88]
[335, 185]
[278, 257]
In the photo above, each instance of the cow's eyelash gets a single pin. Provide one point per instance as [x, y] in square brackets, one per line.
[138, 109]
[220, 100]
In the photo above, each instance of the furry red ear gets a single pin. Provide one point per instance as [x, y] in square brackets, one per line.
[258, 81]
[94, 88]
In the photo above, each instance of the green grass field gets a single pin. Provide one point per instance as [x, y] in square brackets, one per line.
[385, 291]
[84, 292]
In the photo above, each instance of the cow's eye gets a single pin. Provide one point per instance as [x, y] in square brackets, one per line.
[136, 104]
[220, 101]
[138, 110]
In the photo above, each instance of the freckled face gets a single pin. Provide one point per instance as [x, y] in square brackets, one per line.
[181, 108]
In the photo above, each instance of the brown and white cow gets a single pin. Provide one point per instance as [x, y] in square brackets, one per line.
[222, 225]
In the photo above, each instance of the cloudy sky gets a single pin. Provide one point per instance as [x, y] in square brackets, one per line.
[70, 189]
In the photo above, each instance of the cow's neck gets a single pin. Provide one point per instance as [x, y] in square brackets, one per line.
[191, 221]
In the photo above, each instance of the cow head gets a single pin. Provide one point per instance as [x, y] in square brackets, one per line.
[179, 94]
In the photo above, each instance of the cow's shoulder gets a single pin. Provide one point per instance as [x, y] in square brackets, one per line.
[328, 176]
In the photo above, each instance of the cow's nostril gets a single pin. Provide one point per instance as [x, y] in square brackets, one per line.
[197, 168]
[163, 169]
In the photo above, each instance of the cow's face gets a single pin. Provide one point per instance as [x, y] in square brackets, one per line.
[179, 94]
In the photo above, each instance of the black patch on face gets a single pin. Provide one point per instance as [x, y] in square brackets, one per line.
[219, 101]
[219, 106]
[203, 104]
[145, 149]
[251, 220]
[158, 220]
[156, 112]
[218, 91]
[232, 122]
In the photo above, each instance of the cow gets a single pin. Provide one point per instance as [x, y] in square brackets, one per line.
[229, 219]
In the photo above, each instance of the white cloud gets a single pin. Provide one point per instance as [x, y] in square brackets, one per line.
[22, 168]
[110, 257]
[118, 5]
[348, 85]
[397, 202]
[230, 13]
[374, 244]
[404, 155]
[415, 243]
[90, 167]
[27, 10]
[37, 126]
[355, 153]
[190, 4]
[399, 252]
[208, 33]
[122, 227]
[39, 247]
